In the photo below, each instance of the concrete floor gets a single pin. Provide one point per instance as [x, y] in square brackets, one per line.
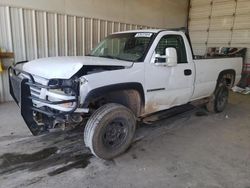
[189, 150]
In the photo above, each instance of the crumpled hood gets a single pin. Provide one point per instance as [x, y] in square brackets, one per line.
[66, 67]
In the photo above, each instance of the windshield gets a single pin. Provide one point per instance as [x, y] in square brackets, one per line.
[124, 46]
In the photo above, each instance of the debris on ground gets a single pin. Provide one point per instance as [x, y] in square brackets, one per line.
[245, 91]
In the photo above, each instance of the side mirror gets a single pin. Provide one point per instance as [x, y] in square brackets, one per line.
[171, 57]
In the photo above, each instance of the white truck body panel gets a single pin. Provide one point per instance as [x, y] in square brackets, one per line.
[178, 88]
[207, 71]
[133, 74]
[65, 67]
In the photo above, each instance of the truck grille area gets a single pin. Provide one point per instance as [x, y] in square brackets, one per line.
[35, 91]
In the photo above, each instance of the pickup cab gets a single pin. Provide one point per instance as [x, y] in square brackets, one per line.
[128, 76]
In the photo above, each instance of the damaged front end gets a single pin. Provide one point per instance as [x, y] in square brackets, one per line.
[47, 104]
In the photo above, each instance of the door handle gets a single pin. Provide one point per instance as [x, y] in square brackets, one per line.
[187, 72]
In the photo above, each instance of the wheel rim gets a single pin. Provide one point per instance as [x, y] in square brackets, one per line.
[222, 99]
[115, 133]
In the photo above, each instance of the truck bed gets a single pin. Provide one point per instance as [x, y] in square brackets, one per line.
[208, 70]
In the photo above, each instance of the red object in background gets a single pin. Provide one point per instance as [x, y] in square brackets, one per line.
[246, 67]
[245, 81]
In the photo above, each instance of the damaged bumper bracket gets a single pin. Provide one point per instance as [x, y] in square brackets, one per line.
[21, 93]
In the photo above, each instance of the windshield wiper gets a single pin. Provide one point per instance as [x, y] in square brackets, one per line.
[112, 57]
[108, 56]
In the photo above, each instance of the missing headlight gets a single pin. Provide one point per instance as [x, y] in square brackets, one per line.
[69, 87]
[68, 91]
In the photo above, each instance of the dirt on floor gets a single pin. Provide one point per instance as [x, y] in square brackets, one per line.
[190, 149]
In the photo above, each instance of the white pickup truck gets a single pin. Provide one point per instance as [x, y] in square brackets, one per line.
[127, 76]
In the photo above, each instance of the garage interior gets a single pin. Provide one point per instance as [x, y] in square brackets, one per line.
[192, 148]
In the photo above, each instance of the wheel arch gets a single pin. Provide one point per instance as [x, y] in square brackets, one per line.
[116, 92]
[228, 76]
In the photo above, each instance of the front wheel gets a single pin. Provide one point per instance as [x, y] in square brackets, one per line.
[110, 130]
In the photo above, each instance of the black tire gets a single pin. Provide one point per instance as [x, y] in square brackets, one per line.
[218, 101]
[110, 130]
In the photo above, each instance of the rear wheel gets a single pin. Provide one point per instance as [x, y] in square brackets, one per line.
[110, 130]
[222, 99]
[218, 101]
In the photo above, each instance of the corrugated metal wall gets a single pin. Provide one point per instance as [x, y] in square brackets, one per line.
[32, 34]
[217, 23]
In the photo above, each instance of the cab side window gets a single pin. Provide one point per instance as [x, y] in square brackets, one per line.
[174, 41]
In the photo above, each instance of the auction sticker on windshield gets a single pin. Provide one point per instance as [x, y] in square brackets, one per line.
[143, 35]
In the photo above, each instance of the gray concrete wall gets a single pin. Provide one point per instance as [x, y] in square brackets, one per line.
[157, 13]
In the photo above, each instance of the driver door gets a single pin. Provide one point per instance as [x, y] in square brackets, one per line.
[168, 86]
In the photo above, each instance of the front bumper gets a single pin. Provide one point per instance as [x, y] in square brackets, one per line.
[20, 90]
